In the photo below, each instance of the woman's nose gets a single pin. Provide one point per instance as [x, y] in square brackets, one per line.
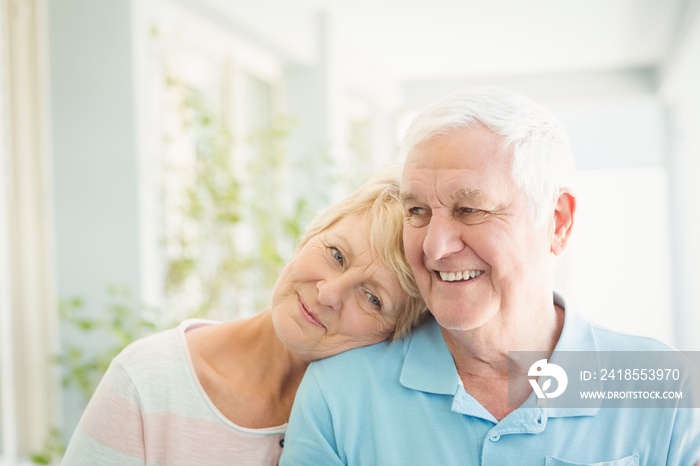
[331, 291]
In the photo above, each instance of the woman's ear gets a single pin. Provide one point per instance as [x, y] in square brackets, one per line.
[563, 220]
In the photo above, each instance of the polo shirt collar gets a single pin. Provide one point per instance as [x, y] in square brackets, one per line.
[576, 335]
[429, 367]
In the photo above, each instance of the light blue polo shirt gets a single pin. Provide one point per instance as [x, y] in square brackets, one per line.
[402, 403]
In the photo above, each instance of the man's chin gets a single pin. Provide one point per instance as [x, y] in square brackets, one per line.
[458, 318]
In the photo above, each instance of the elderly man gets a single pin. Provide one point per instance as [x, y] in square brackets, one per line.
[487, 210]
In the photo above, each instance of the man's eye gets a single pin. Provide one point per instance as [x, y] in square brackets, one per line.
[337, 256]
[418, 216]
[471, 216]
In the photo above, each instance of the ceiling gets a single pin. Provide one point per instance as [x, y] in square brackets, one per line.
[429, 39]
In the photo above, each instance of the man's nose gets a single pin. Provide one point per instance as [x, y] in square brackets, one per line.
[443, 237]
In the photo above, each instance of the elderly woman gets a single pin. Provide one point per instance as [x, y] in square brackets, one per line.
[221, 393]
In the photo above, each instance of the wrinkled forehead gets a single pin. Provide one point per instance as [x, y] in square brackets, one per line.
[471, 147]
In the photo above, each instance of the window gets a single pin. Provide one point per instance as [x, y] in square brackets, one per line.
[222, 168]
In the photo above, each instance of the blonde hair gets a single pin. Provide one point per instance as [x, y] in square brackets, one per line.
[378, 202]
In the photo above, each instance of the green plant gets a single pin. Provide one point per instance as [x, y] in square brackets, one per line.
[236, 210]
[122, 321]
[210, 205]
[53, 448]
[203, 200]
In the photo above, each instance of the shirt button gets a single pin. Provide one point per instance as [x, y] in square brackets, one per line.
[495, 438]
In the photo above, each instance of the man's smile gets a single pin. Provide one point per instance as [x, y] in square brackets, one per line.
[458, 276]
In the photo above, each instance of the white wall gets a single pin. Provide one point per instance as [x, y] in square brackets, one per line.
[95, 176]
[286, 28]
[617, 269]
[680, 90]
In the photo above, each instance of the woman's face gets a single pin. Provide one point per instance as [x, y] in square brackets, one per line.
[332, 296]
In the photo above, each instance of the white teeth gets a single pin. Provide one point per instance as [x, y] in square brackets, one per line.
[464, 275]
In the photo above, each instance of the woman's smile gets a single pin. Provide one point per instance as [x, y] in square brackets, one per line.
[308, 316]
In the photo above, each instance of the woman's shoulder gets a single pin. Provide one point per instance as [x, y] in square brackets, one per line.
[164, 341]
[158, 352]
[155, 364]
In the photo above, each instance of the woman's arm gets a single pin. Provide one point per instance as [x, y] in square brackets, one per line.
[111, 430]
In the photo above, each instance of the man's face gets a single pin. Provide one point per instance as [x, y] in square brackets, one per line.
[469, 236]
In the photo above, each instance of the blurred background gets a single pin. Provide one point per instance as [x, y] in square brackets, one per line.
[158, 159]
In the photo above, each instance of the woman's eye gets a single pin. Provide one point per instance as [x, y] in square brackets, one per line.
[337, 256]
[374, 300]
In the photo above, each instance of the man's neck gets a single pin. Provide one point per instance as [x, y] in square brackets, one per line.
[481, 356]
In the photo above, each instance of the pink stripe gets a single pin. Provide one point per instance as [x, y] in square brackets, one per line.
[169, 438]
[173, 439]
[114, 422]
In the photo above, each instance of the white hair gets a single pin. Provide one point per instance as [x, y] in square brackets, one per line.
[541, 157]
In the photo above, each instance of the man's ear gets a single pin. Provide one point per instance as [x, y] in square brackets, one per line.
[563, 220]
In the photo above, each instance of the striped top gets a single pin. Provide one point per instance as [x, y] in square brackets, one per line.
[150, 409]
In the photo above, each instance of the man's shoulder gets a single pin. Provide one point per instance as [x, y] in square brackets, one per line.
[582, 334]
[360, 359]
[386, 352]
[608, 339]
[377, 366]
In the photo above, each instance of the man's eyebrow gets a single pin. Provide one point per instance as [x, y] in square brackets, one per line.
[468, 194]
[462, 194]
[404, 196]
